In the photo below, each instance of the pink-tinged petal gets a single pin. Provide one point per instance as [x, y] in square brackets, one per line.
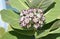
[27, 16]
[36, 26]
[26, 21]
[34, 10]
[30, 10]
[31, 14]
[35, 20]
[41, 14]
[22, 18]
[43, 18]
[23, 24]
[25, 12]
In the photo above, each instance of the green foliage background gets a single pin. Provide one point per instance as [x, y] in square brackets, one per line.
[51, 29]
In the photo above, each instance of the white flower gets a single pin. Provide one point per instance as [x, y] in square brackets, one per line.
[36, 26]
[35, 19]
[41, 22]
[25, 12]
[43, 18]
[26, 21]
[31, 14]
[23, 24]
[30, 10]
[21, 14]
[22, 18]
[38, 15]
[34, 10]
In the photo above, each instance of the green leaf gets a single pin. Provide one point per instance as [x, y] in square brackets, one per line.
[58, 37]
[51, 36]
[25, 32]
[18, 4]
[40, 34]
[44, 4]
[11, 18]
[55, 25]
[15, 35]
[54, 13]
[2, 31]
[8, 36]
[55, 31]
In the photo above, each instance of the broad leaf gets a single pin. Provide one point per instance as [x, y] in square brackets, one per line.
[11, 18]
[25, 32]
[55, 25]
[18, 4]
[2, 31]
[44, 4]
[54, 13]
[42, 34]
[15, 35]
[55, 31]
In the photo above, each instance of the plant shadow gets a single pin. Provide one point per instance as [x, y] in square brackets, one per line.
[47, 27]
[20, 36]
[50, 7]
[51, 36]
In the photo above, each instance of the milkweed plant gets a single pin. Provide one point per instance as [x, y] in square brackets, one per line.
[32, 19]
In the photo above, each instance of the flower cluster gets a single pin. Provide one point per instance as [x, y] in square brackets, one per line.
[32, 16]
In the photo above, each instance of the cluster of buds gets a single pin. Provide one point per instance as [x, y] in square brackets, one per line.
[32, 16]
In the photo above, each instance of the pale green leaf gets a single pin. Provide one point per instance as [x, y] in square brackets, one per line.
[42, 34]
[2, 31]
[15, 35]
[55, 25]
[55, 31]
[11, 18]
[18, 4]
[44, 4]
[54, 13]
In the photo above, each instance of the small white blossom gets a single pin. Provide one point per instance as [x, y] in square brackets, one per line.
[41, 22]
[35, 19]
[38, 15]
[34, 10]
[43, 18]
[23, 24]
[36, 26]
[25, 12]
[21, 14]
[31, 14]
[22, 18]
[26, 21]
